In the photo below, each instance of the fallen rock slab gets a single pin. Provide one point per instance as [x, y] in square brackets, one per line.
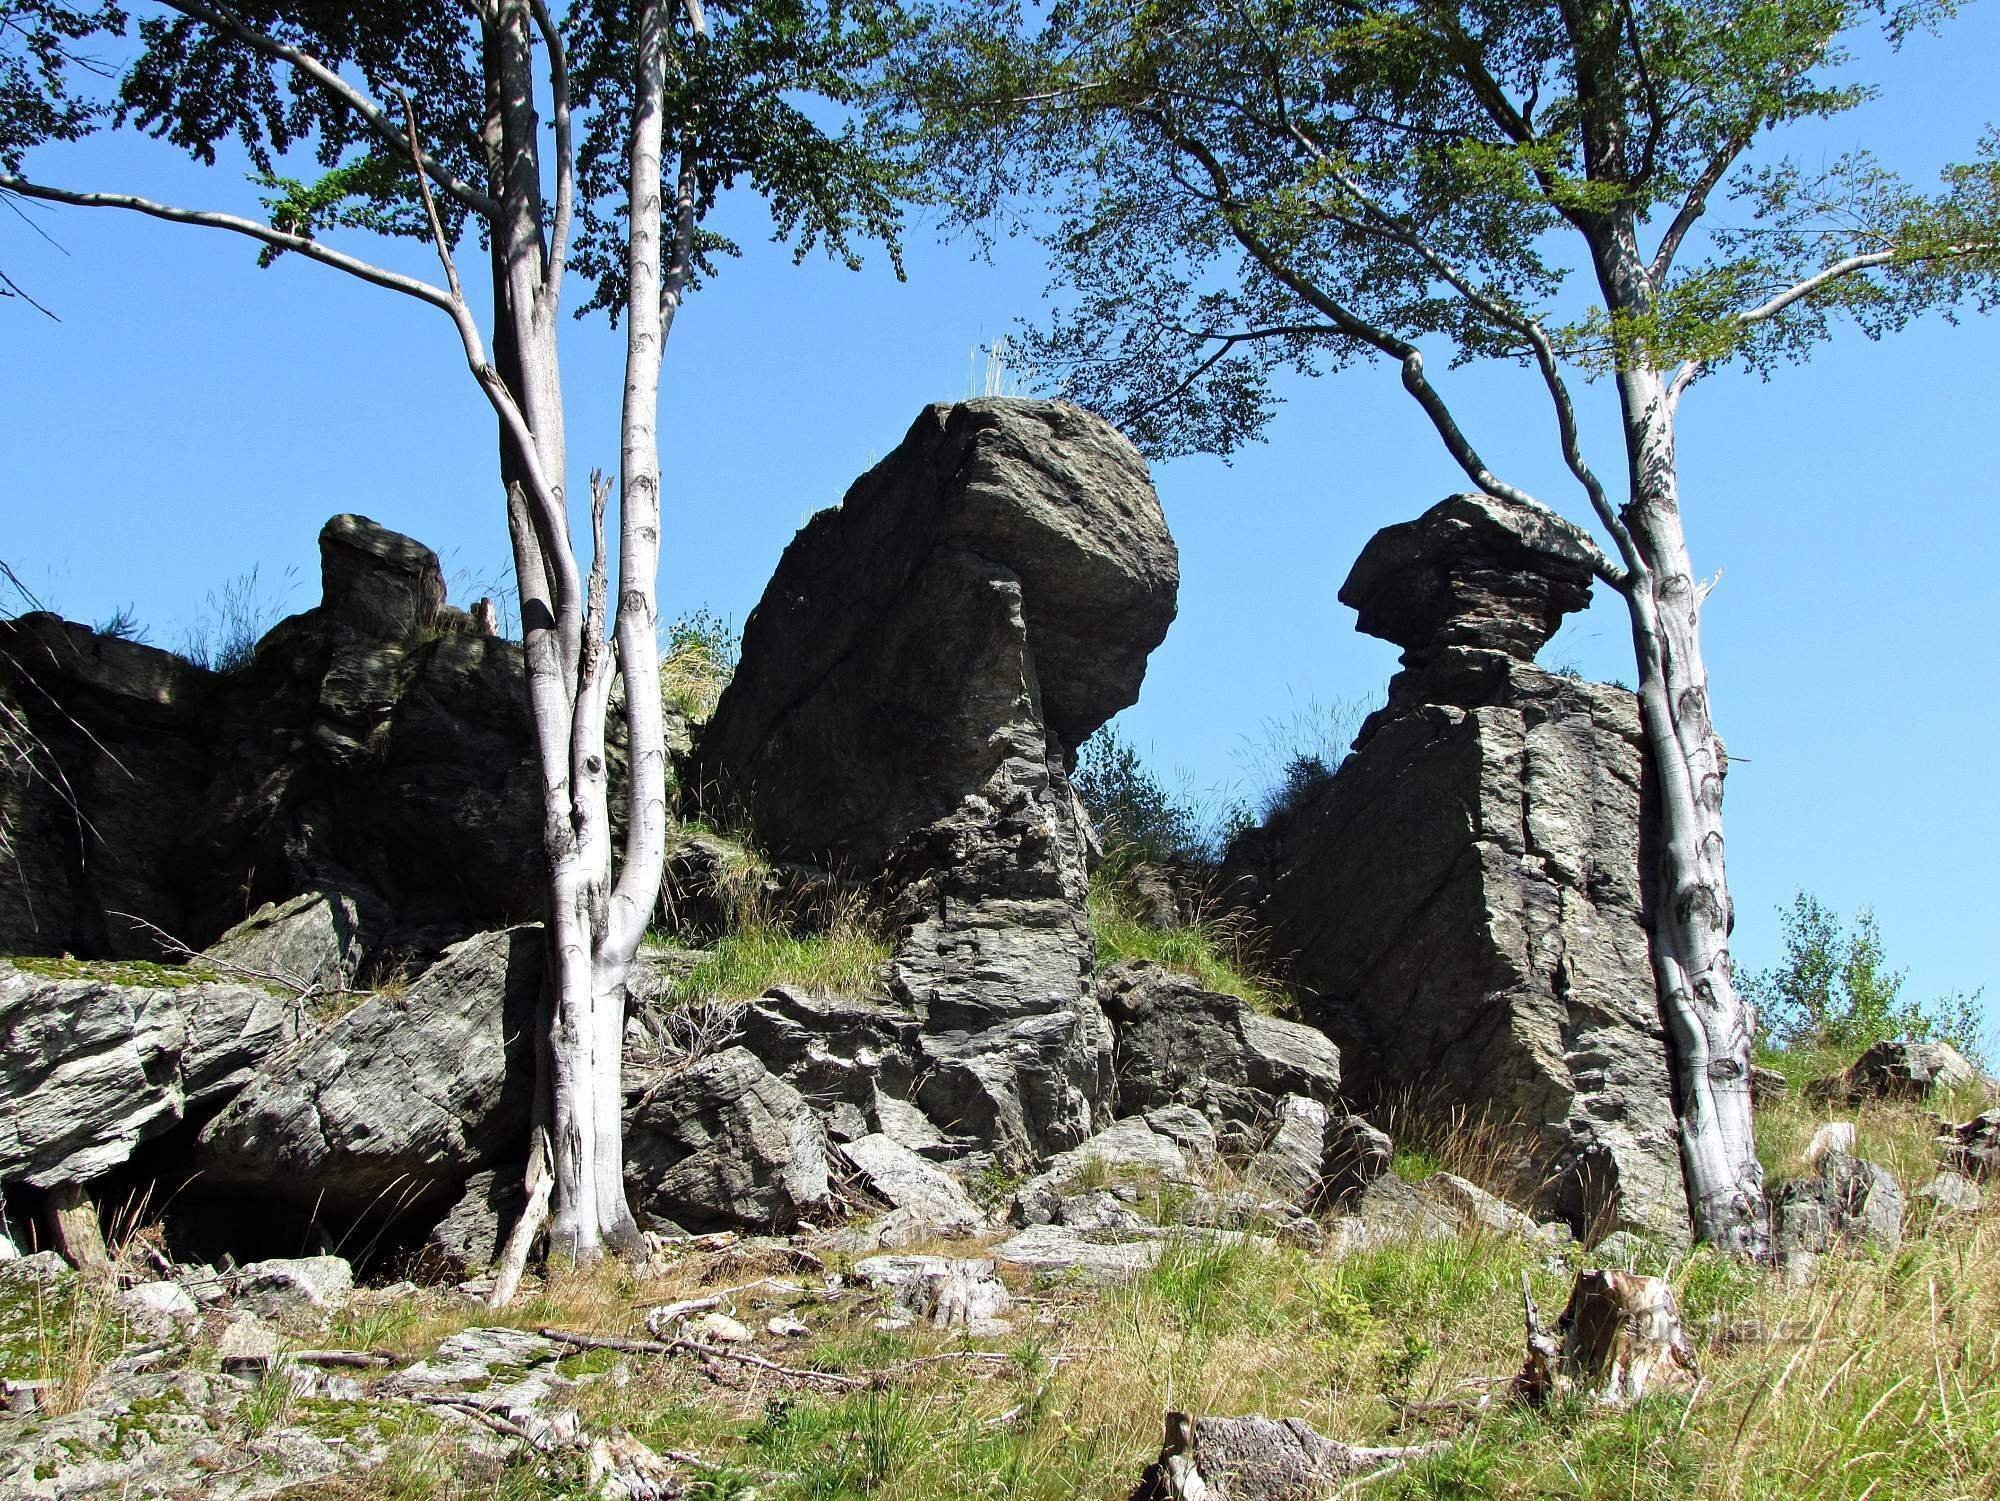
[725, 1145]
[946, 1292]
[300, 1285]
[1060, 1251]
[927, 1202]
[90, 1068]
[402, 1099]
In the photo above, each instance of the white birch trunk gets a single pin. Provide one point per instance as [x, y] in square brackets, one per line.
[1709, 1026]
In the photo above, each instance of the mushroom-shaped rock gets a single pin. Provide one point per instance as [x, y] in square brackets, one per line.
[1009, 561]
[1472, 571]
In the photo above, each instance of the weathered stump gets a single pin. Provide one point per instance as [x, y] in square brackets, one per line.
[1257, 1459]
[1619, 1337]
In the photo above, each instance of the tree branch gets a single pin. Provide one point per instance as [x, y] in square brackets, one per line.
[430, 204]
[559, 104]
[377, 117]
[1797, 292]
[1406, 354]
[279, 239]
[1695, 204]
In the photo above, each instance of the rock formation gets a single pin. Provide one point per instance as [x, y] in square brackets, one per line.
[374, 747]
[91, 1069]
[1464, 898]
[912, 686]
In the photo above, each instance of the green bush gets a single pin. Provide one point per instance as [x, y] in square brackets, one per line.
[1138, 820]
[1835, 993]
[697, 660]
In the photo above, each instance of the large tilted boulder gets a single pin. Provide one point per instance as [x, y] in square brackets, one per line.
[376, 746]
[1899, 1069]
[1179, 1044]
[724, 1145]
[1464, 897]
[401, 1100]
[912, 686]
[91, 1067]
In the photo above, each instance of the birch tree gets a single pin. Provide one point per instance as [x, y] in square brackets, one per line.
[425, 121]
[1586, 189]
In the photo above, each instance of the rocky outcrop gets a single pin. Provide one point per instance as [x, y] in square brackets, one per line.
[1179, 1044]
[399, 1101]
[94, 1064]
[911, 688]
[724, 1145]
[1464, 897]
[375, 745]
[1899, 1069]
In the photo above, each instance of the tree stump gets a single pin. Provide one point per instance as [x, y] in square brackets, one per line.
[74, 1232]
[1619, 1337]
[1257, 1459]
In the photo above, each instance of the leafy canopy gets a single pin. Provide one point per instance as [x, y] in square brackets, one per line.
[776, 97]
[1835, 992]
[1271, 185]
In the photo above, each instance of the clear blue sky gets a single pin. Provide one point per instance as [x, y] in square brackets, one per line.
[192, 416]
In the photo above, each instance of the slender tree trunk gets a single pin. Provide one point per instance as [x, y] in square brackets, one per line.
[1709, 1026]
[623, 910]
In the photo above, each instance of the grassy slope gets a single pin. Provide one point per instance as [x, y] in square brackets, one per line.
[1881, 1380]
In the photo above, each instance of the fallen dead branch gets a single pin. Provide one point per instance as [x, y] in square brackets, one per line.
[833, 1379]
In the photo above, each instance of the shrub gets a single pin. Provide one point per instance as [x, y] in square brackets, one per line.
[1835, 993]
[1137, 819]
[697, 662]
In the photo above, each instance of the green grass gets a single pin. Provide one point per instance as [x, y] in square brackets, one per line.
[746, 963]
[1209, 951]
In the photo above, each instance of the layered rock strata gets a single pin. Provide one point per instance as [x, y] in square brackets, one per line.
[1464, 896]
[911, 689]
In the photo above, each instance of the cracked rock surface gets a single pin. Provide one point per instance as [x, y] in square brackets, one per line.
[1464, 898]
[913, 683]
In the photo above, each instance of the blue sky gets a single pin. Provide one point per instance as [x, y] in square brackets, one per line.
[192, 417]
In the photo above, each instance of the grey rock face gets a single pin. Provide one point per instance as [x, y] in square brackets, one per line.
[892, 622]
[912, 683]
[90, 1069]
[369, 743]
[1849, 1200]
[1899, 1070]
[1181, 1045]
[406, 1094]
[1465, 896]
[725, 1145]
[1973, 1147]
[377, 581]
[318, 938]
